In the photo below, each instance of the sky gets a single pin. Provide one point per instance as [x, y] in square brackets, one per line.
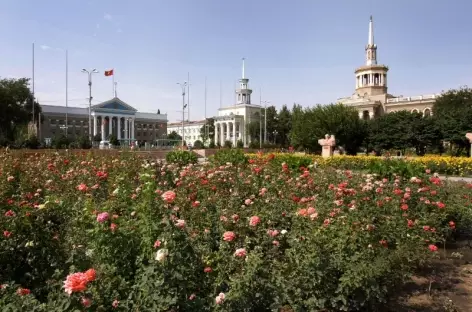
[296, 51]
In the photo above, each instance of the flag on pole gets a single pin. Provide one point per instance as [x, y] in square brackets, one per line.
[109, 72]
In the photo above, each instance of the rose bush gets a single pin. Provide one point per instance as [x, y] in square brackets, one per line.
[129, 234]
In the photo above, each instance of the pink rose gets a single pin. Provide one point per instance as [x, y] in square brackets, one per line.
[240, 252]
[180, 223]
[220, 298]
[229, 236]
[102, 217]
[254, 220]
[168, 197]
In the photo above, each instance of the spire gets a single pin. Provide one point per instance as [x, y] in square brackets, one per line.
[371, 48]
[243, 67]
[371, 31]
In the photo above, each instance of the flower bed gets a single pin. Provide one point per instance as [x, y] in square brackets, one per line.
[457, 166]
[128, 234]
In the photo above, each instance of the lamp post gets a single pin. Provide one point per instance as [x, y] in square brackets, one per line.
[265, 120]
[275, 137]
[183, 86]
[89, 73]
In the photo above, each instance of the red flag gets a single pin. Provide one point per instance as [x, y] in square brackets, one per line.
[109, 72]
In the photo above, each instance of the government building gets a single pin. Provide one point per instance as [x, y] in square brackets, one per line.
[191, 128]
[371, 97]
[113, 117]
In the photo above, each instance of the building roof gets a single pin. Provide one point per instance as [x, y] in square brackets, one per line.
[187, 123]
[114, 105]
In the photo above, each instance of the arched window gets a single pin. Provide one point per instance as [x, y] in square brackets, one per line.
[414, 110]
[365, 115]
[427, 112]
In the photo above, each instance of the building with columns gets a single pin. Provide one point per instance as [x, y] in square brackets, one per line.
[110, 117]
[191, 128]
[231, 121]
[371, 97]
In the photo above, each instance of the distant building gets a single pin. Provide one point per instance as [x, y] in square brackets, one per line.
[192, 130]
[231, 122]
[371, 98]
[110, 117]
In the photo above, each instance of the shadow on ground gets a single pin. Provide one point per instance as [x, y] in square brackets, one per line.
[444, 286]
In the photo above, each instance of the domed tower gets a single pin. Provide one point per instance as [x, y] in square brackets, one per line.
[371, 79]
[243, 94]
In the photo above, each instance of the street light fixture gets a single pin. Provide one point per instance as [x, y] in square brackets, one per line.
[265, 120]
[183, 86]
[89, 73]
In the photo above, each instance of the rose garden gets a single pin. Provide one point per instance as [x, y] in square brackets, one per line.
[261, 232]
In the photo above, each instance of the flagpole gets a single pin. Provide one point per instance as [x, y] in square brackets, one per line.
[34, 125]
[67, 92]
[188, 96]
[113, 89]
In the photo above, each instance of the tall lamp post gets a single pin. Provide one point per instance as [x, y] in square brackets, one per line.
[183, 86]
[89, 73]
[265, 120]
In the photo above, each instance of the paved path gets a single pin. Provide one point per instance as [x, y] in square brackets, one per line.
[456, 179]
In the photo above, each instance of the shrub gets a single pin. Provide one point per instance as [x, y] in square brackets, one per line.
[212, 144]
[228, 144]
[181, 158]
[198, 144]
[240, 144]
[232, 156]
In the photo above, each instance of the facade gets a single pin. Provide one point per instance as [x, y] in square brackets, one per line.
[111, 117]
[371, 97]
[192, 130]
[230, 124]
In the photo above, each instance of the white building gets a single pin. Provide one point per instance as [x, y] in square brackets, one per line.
[371, 97]
[230, 124]
[192, 130]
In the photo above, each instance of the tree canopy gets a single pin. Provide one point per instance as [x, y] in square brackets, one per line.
[311, 124]
[452, 112]
[16, 103]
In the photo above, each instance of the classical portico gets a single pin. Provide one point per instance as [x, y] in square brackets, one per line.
[230, 128]
[114, 117]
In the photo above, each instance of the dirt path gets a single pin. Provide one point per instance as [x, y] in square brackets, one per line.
[445, 286]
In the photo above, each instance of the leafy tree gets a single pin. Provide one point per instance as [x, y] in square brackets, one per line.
[16, 106]
[272, 122]
[174, 136]
[311, 124]
[113, 140]
[453, 114]
[198, 144]
[97, 137]
[207, 131]
[284, 125]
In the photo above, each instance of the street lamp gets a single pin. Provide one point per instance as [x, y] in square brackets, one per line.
[275, 137]
[265, 120]
[183, 86]
[93, 71]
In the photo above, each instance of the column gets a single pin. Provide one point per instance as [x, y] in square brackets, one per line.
[371, 115]
[361, 115]
[132, 129]
[234, 133]
[222, 137]
[126, 129]
[95, 125]
[118, 128]
[110, 126]
[102, 119]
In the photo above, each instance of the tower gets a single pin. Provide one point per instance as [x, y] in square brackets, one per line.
[371, 79]
[243, 94]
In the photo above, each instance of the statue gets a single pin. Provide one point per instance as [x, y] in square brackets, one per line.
[327, 145]
[469, 137]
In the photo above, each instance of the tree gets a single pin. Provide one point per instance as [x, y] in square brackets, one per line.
[174, 136]
[284, 125]
[16, 107]
[272, 122]
[452, 112]
[311, 124]
[207, 131]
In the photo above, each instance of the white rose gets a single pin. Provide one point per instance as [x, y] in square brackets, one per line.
[161, 255]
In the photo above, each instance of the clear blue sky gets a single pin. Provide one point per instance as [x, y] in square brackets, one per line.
[302, 51]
